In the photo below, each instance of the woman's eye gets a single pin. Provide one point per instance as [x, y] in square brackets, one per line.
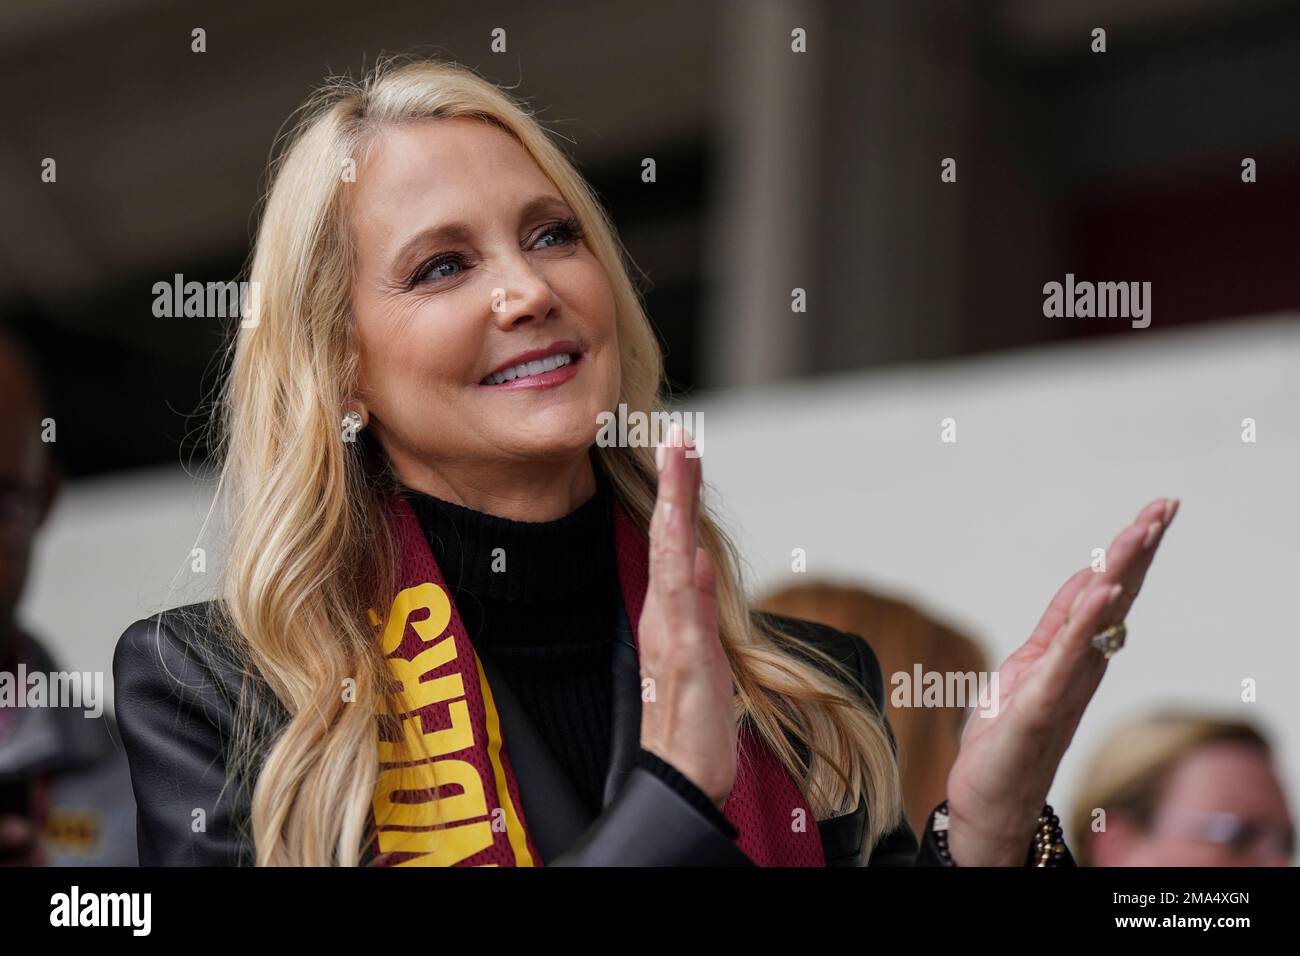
[566, 232]
[448, 266]
[433, 269]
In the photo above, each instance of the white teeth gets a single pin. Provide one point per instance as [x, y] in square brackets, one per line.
[525, 369]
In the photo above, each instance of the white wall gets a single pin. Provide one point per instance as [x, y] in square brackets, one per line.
[1057, 450]
[118, 544]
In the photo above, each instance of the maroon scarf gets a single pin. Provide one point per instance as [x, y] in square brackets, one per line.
[478, 819]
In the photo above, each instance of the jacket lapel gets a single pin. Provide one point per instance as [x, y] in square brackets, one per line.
[626, 735]
[555, 815]
[552, 810]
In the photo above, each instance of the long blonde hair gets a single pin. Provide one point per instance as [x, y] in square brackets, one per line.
[308, 541]
[902, 634]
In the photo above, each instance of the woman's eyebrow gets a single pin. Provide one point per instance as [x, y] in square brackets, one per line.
[447, 232]
[543, 204]
[461, 232]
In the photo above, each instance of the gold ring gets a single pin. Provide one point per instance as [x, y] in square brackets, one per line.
[1110, 640]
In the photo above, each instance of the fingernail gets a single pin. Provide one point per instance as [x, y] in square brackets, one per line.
[661, 455]
[1115, 592]
[1171, 508]
[1153, 530]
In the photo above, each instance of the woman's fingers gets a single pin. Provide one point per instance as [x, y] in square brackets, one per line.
[1074, 644]
[1058, 610]
[1135, 572]
[672, 525]
[1065, 668]
[1107, 600]
[692, 723]
[1119, 558]
[1089, 601]
[1130, 555]
[705, 580]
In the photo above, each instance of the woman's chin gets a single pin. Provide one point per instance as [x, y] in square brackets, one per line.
[550, 444]
[552, 432]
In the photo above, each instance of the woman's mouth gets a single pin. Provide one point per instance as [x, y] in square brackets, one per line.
[540, 373]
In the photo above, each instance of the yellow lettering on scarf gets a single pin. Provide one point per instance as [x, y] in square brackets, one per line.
[437, 847]
[463, 806]
[457, 839]
[427, 596]
[417, 693]
[444, 847]
[437, 743]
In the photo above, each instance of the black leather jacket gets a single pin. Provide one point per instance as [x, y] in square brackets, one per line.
[175, 700]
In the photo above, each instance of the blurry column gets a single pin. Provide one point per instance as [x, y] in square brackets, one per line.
[829, 180]
[760, 240]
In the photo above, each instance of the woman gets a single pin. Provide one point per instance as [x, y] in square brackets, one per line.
[1183, 789]
[423, 528]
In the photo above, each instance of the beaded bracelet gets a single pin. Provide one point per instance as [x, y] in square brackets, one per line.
[1048, 848]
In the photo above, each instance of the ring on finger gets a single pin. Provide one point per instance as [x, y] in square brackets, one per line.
[1110, 640]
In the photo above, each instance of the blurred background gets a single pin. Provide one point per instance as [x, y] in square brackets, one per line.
[776, 170]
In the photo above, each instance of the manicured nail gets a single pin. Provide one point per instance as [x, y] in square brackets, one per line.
[1115, 592]
[1171, 508]
[661, 455]
[1153, 531]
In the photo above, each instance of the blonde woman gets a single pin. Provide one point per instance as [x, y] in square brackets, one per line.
[1182, 788]
[453, 629]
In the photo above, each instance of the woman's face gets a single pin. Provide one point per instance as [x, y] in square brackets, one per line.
[469, 260]
[1216, 791]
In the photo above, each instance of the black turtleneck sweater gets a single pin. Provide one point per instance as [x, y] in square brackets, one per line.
[547, 623]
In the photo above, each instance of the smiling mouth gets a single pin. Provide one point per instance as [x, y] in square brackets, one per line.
[530, 369]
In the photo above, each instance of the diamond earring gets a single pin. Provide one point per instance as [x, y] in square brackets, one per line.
[351, 425]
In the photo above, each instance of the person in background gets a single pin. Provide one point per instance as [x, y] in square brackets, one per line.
[65, 787]
[1183, 789]
[901, 635]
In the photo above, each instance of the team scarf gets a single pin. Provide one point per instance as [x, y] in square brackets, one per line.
[462, 807]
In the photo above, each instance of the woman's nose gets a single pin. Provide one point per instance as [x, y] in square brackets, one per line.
[525, 294]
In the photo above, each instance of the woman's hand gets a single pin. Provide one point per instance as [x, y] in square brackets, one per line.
[1002, 773]
[688, 712]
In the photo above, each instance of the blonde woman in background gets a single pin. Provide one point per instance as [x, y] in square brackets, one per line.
[1183, 789]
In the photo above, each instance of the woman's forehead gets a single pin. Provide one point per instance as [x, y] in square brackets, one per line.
[446, 156]
[421, 174]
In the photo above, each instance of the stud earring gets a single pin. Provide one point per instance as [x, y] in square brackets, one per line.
[351, 425]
